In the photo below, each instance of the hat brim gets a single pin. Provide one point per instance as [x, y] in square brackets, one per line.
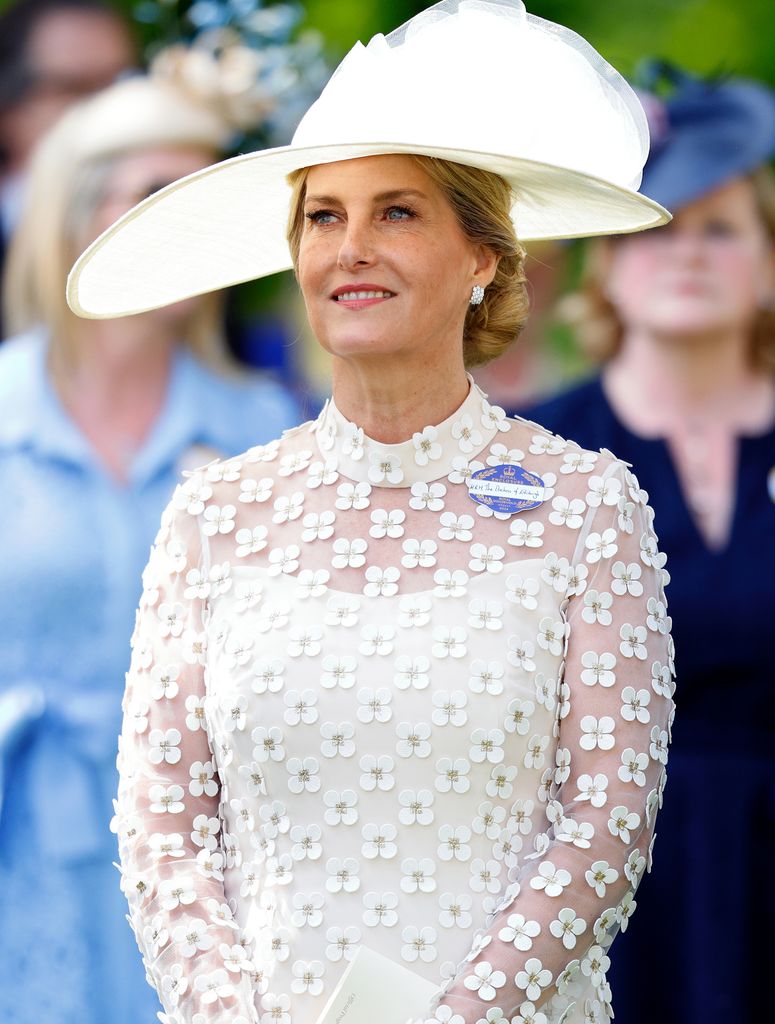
[226, 224]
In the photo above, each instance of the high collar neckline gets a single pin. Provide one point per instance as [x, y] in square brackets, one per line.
[429, 454]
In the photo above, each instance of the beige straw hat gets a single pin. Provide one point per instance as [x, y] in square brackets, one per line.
[479, 82]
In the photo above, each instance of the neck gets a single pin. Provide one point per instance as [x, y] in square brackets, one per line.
[657, 381]
[115, 387]
[393, 401]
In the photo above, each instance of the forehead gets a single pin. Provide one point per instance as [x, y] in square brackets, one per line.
[734, 198]
[370, 176]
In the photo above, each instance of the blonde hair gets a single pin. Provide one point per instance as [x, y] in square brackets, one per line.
[594, 319]
[482, 203]
[64, 187]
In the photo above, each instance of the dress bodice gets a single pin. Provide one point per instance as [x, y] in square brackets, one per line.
[364, 708]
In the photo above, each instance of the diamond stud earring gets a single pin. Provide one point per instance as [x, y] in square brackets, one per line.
[477, 294]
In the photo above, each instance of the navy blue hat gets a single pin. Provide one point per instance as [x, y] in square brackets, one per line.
[704, 134]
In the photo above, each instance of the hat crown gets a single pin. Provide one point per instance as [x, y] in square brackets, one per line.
[451, 77]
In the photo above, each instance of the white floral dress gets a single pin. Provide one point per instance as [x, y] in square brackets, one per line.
[364, 709]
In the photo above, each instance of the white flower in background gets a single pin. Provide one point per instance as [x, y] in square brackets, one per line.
[657, 747]
[349, 553]
[601, 545]
[633, 643]
[166, 799]
[192, 495]
[418, 875]
[535, 754]
[484, 875]
[304, 641]
[579, 833]
[294, 462]
[485, 614]
[595, 964]
[519, 931]
[493, 417]
[500, 782]
[486, 745]
[306, 842]
[551, 635]
[276, 1009]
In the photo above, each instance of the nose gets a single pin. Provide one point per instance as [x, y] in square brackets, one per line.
[357, 243]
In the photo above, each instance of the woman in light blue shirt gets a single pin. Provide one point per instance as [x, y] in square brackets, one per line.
[97, 419]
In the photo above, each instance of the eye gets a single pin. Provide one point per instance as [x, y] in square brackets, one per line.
[719, 228]
[320, 217]
[398, 213]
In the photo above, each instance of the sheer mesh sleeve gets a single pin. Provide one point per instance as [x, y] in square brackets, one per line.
[560, 914]
[168, 818]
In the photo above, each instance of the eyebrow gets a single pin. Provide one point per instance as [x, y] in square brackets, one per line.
[382, 197]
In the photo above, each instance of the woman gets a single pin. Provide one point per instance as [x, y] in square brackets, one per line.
[684, 316]
[380, 698]
[97, 421]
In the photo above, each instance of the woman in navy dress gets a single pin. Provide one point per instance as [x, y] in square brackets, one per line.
[687, 314]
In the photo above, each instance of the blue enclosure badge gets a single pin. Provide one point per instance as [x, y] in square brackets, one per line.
[506, 488]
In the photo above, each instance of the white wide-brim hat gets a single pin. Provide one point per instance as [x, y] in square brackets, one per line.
[478, 82]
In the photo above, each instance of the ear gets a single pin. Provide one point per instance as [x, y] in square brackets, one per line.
[485, 266]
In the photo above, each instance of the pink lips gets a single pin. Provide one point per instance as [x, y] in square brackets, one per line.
[359, 289]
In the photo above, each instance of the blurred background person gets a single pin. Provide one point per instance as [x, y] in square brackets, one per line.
[684, 319]
[97, 418]
[52, 54]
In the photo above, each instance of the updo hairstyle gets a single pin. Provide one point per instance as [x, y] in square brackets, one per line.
[482, 203]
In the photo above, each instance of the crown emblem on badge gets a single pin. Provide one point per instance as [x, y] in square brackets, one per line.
[509, 471]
